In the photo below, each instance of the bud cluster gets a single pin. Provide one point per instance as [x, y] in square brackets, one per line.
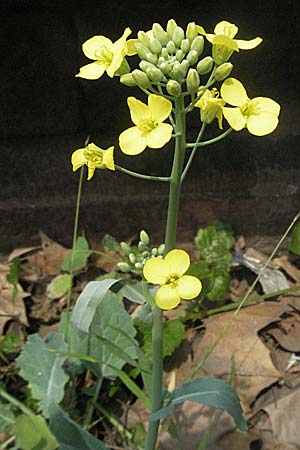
[135, 256]
[170, 57]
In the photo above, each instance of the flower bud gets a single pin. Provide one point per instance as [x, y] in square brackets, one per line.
[123, 266]
[191, 31]
[155, 74]
[138, 266]
[159, 33]
[164, 52]
[171, 47]
[155, 46]
[164, 67]
[145, 65]
[173, 88]
[205, 65]
[192, 81]
[154, 251]
[192, 57]
[177, 71]
[223, 71]
[125, 247]
[198, 44]
[179, 55]
[171, 25]
[132, 258]
[178, 36]
[144, 38]
[161, 249]
[141, 50]
[141, 247]
[221, 54]
[127, 79]
[145, 254]
[185, 45]
[141, 79]
[184, 66]
[144, 237]
[151, 57]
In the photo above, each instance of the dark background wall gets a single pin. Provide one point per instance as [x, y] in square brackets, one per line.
[46, 113]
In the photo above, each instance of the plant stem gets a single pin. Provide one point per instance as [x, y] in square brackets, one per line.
[191, 157]
[170, 242]
[141, 175]
[16, 402]
[210, 141]
[92, 404]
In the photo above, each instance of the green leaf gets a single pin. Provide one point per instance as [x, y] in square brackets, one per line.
[9, 343]
[208, 391]
[81, 255]
[173, 334]
[69, 434]
[88, 302]
[110, 244]
[219, 286]
[133, 291]
[111, 334]
[32, 433]
[7, 417]
[294, 244]
[59, 286]
[13, 276]
[43, 368]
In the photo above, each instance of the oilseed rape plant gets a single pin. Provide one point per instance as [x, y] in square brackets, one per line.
[178, 81]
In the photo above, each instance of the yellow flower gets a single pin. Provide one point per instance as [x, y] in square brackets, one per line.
[259, 115]
[224, 33]
[169, 273]
[150, 131]
[107, 56]
[211, 107]
[94, 157]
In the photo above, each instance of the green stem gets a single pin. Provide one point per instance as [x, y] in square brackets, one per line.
[170, 242]
[75, 231]
[92, 404]
[191, 157]
[16, 403]
[210, 141]
[141, 175]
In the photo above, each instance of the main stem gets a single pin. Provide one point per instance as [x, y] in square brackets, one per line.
[170, 242]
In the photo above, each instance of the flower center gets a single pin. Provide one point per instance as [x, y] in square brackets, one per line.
[173, 281]
[147, 125]
[93, 156]
[250, 108]
[104, 54]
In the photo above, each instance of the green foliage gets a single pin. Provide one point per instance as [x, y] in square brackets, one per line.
[32, 433]
[133, 291]
[294, 244]
[173, 334]
[213, 245]
[7, 417]
[80, 258]
[69, 434]
[110, 339]
[43, 368]
[13, 276]
[110, 244]
[59, 286]
[208, 391]
[9, 343]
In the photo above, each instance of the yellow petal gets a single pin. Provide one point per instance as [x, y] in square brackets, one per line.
[167, 297]
[108, 158]
[226, 28]
[138, 110]
[156, 271]
[92, 71]
[262, 124]
[235, 118]
[178, 262]
[119, 53]
[91, 170]
[132, 141]
[93, 45]
[131, 50]
[233, 92]
[78, 159]
[265, 104]
[201, 30]
[226, 42]
[188, 287]
[158, 137]
[248, 45]
[160, 108]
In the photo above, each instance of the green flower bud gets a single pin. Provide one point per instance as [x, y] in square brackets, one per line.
[179, 55]
[191, 31]
[192, 57]
[132, 258]
[154, 251]
[141, 50]
[173, 88]
[221, 54]
[141, 247]
[178, 36]
[164, 67]
[171, 47]
[177, 72]
[205, 65]
[161, 249]
[198, 44]
[159, 33]
[223, 71]
[127, 79]
[184, 66]
[144, 237]
[123, 266]
[125, 247]
[141, 79]
[151, 57]
[185, 45]
[138, 266]
[192, 81]
[145, 254]
[145, 65]
[155, 46]
[164, 52]
[171, 25]
[144, 38]
[155, 74]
